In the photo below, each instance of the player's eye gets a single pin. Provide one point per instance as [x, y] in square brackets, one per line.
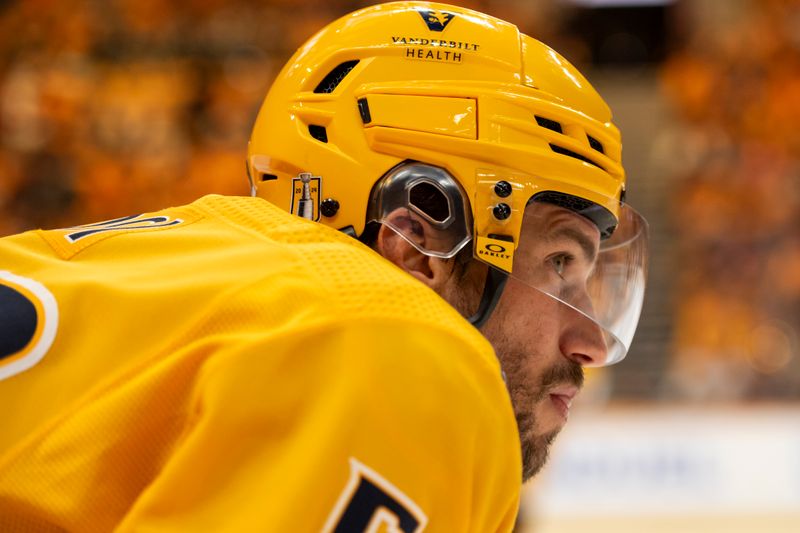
[559, 262]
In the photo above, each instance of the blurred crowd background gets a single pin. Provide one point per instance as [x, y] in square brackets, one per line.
[735, 207]
[115, 107]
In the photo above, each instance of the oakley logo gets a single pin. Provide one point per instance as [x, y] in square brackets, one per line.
[495, 248]
[435, 19]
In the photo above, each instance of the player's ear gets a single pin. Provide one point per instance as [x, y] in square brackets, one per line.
[432, 271]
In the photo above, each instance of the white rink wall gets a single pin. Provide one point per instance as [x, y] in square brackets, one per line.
[671, 469]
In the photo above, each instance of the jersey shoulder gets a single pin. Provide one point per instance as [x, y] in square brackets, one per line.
[355, 281]
[332, 278]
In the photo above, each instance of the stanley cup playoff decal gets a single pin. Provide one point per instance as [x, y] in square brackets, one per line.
[435, 19]
[305, 196]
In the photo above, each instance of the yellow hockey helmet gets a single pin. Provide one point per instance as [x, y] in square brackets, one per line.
[450, 113]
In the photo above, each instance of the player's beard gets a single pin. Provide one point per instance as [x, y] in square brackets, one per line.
[524, 395]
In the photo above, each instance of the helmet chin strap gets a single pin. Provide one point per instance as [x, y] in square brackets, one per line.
[492, 290]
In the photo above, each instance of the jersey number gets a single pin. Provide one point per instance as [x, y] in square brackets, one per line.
[370, 504]
[128, 223]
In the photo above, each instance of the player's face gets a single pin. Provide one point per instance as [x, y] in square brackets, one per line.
[542, 343]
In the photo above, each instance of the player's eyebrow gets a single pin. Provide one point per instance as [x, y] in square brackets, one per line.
[570, 233]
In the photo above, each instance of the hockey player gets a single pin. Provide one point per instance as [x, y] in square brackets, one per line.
[394, 353]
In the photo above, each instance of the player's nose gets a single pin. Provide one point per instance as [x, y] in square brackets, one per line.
[583, 340]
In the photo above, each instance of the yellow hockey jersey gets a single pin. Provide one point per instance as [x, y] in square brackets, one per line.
[225, 366]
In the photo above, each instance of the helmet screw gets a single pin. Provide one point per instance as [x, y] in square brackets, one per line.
[502, 189]
[501, 211]
[329, 207]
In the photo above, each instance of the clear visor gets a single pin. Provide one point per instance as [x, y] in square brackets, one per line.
[599, 282]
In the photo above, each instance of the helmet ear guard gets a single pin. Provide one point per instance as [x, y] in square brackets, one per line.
[412, 194]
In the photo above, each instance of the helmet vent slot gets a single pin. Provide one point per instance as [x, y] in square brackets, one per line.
[363, 110]
[565, 151]
[335, 77]
[597, 145]
[549, 124]
[318, 132]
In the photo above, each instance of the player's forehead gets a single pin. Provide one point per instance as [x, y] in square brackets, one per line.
[546, 223]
